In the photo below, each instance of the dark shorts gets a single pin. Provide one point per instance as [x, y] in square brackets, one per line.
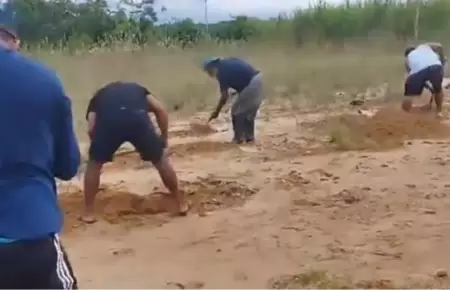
[415, 83]
[135, 128]
[35, 264]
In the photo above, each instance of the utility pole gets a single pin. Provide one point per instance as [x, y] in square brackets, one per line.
[206, 17]
[417, 20]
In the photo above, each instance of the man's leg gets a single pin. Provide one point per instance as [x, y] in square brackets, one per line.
[238, 121]
[413, 88]
[436, 76]
[103, 146]
[250, 125]
[35, 264]
[151, 148]
[249, 102]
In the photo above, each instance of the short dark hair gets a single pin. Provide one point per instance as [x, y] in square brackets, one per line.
[409, 49]
[7, 33]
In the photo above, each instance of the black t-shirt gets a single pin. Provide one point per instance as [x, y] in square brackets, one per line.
[118, 96]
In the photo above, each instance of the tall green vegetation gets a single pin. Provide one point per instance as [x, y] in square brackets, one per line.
[90, 23]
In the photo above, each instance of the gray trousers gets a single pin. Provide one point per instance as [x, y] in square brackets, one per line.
[244, 110]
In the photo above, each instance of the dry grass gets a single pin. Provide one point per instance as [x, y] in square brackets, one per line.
[308, 76]
[317, 279]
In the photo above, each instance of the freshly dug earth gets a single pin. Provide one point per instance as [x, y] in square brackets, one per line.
[201, 147]
[387, 129]
[196, 130]
[119, 206]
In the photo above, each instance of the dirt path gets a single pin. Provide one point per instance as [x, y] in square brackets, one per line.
[289, 205]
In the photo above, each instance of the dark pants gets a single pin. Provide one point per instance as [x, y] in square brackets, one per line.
[133, 127]
[35, 264]
[416, 82]
[244, 125]
[244, 110]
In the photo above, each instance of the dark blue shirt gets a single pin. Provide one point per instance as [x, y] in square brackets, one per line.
[38, 144]
[234, 73]
[116, 96]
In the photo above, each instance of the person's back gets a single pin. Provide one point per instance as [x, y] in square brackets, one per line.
[421, 57]
[33, 114]
[120, 96]
[38, 145]
[235, 73]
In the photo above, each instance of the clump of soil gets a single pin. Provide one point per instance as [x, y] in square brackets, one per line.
[386, 129]
[116, 205]
[209, 194]
[293, 179]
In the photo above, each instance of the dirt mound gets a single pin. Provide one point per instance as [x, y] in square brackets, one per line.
[119, 206]
[196, 130]
[125, 160]
[201, 147]
[116, 205]
[386, 129]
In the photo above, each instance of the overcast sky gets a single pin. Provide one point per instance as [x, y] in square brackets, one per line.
[221, 9]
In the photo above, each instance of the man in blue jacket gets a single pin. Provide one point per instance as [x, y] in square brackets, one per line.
[38, 144]
[240, 76]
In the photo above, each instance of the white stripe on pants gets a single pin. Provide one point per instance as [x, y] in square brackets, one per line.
[62, 269]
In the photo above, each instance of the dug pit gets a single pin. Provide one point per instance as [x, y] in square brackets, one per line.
[388, 128]
[119, 206]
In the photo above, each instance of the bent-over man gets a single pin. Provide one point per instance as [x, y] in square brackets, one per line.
[119, 113]
[240, 76]
[424, 66]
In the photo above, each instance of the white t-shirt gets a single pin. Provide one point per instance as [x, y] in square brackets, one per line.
[421, 58]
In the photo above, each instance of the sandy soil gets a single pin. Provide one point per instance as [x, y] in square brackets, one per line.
[300, 202]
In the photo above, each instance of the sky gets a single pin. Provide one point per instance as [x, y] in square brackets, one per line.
[219, 10]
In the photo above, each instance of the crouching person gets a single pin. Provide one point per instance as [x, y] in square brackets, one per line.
[424, 67]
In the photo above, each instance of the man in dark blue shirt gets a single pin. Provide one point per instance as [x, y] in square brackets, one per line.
[240, 76]
[38, 144]
[119, 113]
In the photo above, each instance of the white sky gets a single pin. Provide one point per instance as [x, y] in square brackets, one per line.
[219, 10]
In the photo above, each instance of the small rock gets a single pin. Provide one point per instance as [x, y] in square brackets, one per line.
[411, 186]
[441, 273]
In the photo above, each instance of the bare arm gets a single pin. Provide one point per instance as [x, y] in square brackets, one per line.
[162, 117]
[408, 69]
[222, 101]
[91, 121]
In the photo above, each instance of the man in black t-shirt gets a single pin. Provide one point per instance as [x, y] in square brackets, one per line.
[119, 113]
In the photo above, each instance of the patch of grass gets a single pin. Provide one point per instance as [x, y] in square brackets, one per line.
[315, 279]
[307, 76]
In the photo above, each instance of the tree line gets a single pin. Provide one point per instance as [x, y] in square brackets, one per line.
[93, 22]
